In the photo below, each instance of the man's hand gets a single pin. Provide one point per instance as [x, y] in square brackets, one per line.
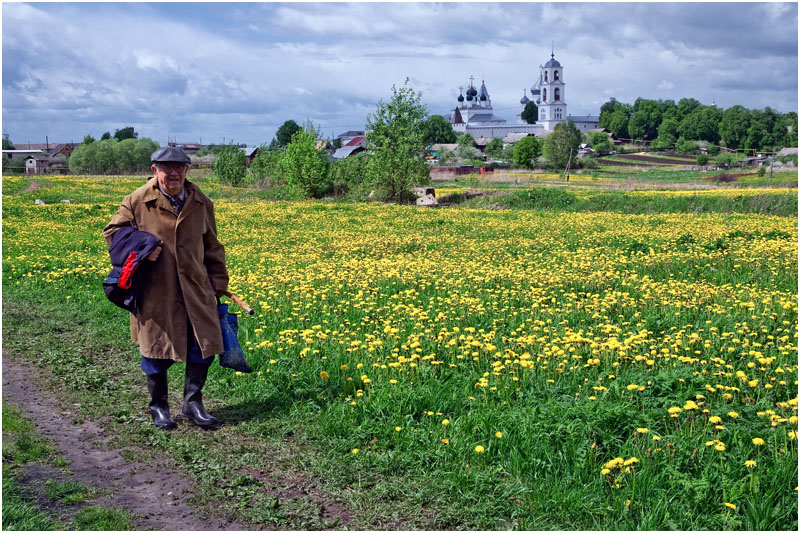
[154, 254]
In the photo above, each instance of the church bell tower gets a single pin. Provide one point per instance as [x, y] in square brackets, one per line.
[553, 107]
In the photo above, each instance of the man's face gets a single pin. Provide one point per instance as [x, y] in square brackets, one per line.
[170, 176]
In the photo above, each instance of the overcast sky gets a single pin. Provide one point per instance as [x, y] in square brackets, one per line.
[225, 71]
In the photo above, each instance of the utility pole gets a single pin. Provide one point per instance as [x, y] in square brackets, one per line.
[771, 162]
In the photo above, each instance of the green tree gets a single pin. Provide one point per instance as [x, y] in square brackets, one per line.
[231, 164]
[349, 173]
[466, 139]
[618, 121]
[645, 119]
[437, 130]
[562, 144]
[600, 142]
[530, 113]
[286, 132]
[88, 139]
[686, 106]
[105, 136]
[702, 159]
[494, 149]
[790, 123]
[111, 156]
[527, 152]
[606, 111]
[733, 126]
[7, 145]
[702, 124]
[396, 150]
[306, 168]
[125, 133]
[667, 134]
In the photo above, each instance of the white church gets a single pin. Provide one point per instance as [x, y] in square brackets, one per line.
[474, 114]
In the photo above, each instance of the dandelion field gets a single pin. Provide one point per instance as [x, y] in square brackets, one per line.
[540, 370]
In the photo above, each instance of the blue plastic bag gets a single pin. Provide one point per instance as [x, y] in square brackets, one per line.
[232, 357]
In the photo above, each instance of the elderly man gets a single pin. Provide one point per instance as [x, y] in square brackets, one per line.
[177, 316]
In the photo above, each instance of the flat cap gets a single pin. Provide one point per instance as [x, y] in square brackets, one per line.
[169, 154]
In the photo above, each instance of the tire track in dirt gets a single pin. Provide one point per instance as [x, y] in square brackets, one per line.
[151, 490]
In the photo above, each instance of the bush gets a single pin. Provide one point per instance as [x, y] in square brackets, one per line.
[349, 174]
[266, 167]
[113, 156]
[306, 168]
[725, 160]
[231, 165]
[702, 159]
[686, 146]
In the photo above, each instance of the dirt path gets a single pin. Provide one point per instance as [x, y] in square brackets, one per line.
[152, 491]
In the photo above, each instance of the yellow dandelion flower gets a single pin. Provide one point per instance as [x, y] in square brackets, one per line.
[749, 464]
[656, 438]
[445, 441]
[445, 422]
[758, 441]
[730, 506]
[499, 435]
[398, 428]
[733, 414]
[714, 419]
[642, 431]
[355, 451]
[479, 449]
[324, 375]
[605, 472]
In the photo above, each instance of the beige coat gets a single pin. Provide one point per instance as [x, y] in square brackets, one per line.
[183, 280]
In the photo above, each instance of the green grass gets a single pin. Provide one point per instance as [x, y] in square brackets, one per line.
[69, 492]
[97, 518]
[22, 446]
[591, 299]
[18, 513]
[768, 203]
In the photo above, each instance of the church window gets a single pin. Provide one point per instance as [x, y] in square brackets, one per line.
[545, 76]
[556, 94]
[555, 75]
[544, 95]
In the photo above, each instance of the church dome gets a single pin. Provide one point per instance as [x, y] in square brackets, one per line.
[484, 93]
[552, 63]
[471, 92]
[460, 97]
[536, 88]
[524, 100]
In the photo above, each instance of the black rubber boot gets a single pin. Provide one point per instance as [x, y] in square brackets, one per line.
[159, 407]
[193, 395]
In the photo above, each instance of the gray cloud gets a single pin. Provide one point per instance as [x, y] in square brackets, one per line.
[240, 70]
